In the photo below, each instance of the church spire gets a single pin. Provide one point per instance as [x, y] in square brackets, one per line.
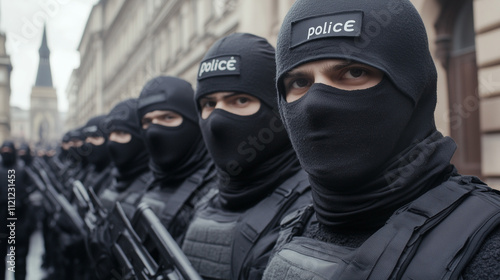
[44, 76]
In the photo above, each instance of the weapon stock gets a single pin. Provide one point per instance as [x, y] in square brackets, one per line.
[145, 249]
[149, 226]
[40, 165]
[96, 212]
[50, 205]
[127, 247]
[83, 202]
[59, 203]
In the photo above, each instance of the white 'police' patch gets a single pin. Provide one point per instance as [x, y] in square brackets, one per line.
[334, 25]
[220, 66]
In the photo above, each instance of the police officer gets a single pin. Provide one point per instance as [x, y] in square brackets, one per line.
[14, 191]
[259, 177]
[62, 153]
[357, 92]
[25, 154]
[131, 176]
[95, 146]
[128, 154]
[182, 169]
[78, 165]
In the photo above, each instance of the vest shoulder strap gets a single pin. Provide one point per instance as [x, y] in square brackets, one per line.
[429, 233]
[457, 238]
[131, 197]
[260, 217]
[184, 192]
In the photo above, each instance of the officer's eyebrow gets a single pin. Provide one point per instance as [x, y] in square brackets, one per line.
[336, 66]
[297, 73]
[210, 97]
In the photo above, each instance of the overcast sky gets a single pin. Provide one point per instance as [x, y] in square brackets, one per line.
[22, 21]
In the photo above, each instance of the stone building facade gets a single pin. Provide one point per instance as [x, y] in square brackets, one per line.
[127, 42]
[20, 125]
[5, 70]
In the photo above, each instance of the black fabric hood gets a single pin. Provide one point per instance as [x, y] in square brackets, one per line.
[96, 127]
[388, 35]
[406, 60]
[123, 117]
[168, 93]
[251, 64]
[357, 144]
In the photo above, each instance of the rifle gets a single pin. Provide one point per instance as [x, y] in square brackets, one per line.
[96, 212]
[49, 204]
[81, 195]
[145, 249]
[59, 207]
[38, 163]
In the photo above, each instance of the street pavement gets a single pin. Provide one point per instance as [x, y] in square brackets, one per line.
[34, 270]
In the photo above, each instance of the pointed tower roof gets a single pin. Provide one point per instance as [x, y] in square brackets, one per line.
[44, 76]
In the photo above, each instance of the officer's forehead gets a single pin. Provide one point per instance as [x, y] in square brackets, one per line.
[325, 64]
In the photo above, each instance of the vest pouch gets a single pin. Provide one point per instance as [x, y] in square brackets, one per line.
[305, 258]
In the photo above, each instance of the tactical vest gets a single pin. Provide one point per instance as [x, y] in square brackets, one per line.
[433, 237]
[128, 197]
[208, 243]
[167, 203]
[219, 242]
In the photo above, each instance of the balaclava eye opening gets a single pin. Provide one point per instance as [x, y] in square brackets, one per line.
[252, 153]
[347, 141]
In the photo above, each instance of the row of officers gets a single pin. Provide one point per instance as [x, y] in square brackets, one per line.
[317, 160]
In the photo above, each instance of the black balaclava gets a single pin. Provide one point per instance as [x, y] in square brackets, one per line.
[367, 152]
[63, 153]
[9, 158]
[252, 153]
[96, 154]
[26, 156]
[129, 158]
[77, 154]
[176, 152]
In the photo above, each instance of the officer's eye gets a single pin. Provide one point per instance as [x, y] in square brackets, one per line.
[167, 117]
[120, 132]
[206, 103]
[354, 73]
[242, 100]
[299, 83]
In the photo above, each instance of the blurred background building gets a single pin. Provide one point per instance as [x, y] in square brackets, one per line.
[45, 127]
[41, 125]
[5, 69]
[127, 42]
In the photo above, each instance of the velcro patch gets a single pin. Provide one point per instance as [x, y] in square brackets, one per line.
[220, 66]
[153, 99]
[334, 25]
